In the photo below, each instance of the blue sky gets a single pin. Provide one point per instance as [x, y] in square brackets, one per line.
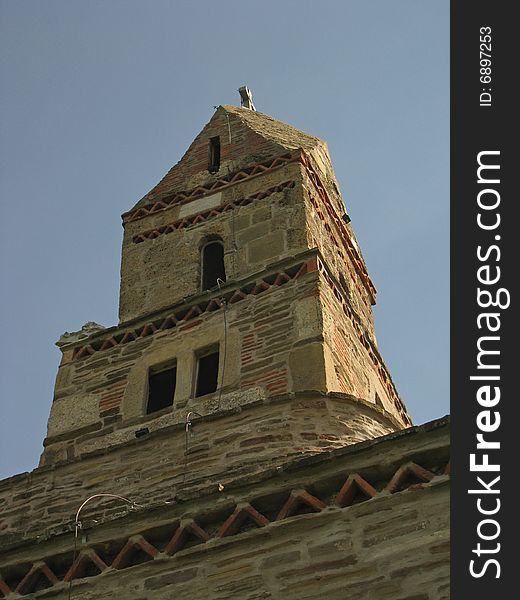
[99, 99]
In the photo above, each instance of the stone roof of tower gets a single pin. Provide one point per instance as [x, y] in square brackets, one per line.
[254, 134]
[279, 132]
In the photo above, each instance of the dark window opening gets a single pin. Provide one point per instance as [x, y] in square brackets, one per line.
[212, 265]
[207, 374]
[161, 389]
[214, 154]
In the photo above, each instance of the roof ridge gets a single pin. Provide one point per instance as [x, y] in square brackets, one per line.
[250, 117]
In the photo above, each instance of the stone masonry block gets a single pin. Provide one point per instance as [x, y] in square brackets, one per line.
[267, 247]
[72, 412]
[254, 232]
[307, 367]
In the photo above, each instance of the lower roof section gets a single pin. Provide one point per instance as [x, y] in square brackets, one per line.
[369, 520]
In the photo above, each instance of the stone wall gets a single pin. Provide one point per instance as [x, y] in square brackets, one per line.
[272, 486]
[220, 448]
[100, 398]
[370, 521]
[327, 231]
[357, 365]
[260, 221]
[271, 333]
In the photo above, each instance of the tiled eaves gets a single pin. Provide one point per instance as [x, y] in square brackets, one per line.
[203, 216]
[184, 314]
[180, 198]
[411, 435]
[312, 492]
[415, 444]
[409, 477]
[187, 537]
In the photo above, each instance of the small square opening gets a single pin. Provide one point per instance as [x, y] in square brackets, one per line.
[207, 373]
[161, 388]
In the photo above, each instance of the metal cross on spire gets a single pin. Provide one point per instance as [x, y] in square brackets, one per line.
[246, 98]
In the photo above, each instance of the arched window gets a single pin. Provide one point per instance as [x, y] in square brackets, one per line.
[212, 264]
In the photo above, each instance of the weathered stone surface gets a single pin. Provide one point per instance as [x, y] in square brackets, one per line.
[204, 203]
[389, 546]
[294, 479]
[271, 344]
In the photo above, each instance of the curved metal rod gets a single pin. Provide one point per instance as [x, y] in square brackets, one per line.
[77, 522]
[188, 419]
[77, 525]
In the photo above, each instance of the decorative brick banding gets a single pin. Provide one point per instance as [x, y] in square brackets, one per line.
[206, 215]
[254, 171]
[184, 197]
[182, 316]
[409, 476]
[112, 396]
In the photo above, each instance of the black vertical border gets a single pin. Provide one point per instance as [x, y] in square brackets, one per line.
[475, 129]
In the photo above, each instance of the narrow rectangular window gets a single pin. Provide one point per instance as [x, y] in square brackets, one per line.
[207, 373]
[213, 267]
[161, 389]
[214, 154]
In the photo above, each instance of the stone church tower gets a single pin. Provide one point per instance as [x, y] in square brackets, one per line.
[219, 440]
